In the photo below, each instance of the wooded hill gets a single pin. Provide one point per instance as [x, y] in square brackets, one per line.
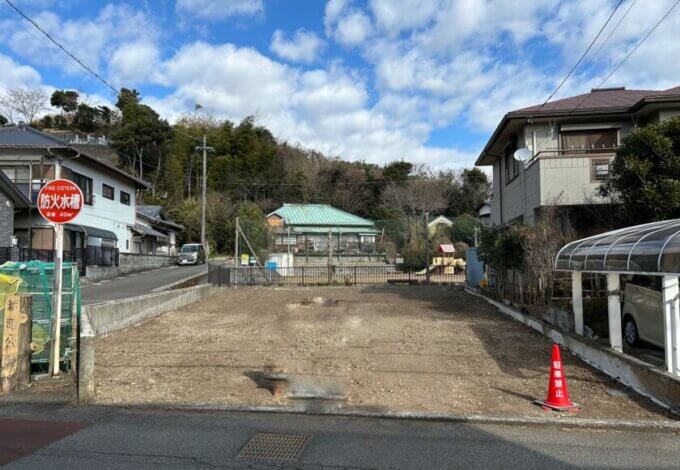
[251, 173]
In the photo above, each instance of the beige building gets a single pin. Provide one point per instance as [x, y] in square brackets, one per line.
[572, 142]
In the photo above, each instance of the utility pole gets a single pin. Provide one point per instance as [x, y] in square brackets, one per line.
[427, 248]
[55, 334]
[476, 230]
[236, 236]
[204, 184]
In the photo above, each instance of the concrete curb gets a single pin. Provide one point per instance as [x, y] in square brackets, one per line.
[659, 386]
[566, 422]
[179, 283]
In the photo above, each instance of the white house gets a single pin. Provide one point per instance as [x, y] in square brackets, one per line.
[104, 227]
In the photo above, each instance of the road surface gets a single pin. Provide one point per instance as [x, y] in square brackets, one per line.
[137, 284]
[126, 438]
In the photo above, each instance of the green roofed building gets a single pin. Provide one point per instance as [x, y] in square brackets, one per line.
[305, 228]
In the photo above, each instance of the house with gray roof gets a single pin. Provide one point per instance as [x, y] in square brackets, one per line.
[27, 159]
[154, 233]
[571, 143]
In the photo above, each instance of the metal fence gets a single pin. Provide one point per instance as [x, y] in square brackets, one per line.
[82, 257]
[224, 275]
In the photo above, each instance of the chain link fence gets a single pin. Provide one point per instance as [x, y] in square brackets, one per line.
[36, 280]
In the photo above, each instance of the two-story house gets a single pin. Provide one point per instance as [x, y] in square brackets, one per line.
[572, 142]
[154, 232]
[27, 158]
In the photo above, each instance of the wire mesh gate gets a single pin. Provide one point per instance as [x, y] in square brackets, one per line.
[223, 275]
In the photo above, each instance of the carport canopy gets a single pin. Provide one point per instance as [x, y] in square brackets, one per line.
[651, 249]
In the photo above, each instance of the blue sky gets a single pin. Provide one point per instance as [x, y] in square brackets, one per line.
[379, 80]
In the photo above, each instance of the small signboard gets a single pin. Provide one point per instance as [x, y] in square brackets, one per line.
[245, 259]
[60, 201]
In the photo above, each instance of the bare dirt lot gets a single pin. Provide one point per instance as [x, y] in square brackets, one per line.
[399, 348]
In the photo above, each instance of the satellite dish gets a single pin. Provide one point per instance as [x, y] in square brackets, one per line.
[523, 155]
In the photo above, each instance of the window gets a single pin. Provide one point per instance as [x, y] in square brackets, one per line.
[108, 192]
[596, 140]
[125, 198]
[600, 170]
[85, 185]
[511, 165]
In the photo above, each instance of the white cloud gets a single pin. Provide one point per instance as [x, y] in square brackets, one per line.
[91, 40]
[348, 25]
[134, 62]
[15, 75]
[219, 9]
[326, 109]
[305, 46]
[395, 16]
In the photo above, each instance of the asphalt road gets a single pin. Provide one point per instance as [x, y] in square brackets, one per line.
[137, 284]
[124, 438]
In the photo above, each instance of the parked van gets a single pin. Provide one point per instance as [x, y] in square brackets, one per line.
[643, 311]
[191, 253]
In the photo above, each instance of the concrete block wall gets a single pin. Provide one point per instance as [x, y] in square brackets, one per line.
[128, 263]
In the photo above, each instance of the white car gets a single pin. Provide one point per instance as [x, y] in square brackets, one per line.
[643, 311]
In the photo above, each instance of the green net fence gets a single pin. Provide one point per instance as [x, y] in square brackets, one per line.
[36, 279]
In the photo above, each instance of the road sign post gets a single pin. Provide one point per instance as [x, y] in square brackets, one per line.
[59, 202]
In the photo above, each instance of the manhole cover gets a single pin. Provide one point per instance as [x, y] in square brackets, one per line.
[280, 447]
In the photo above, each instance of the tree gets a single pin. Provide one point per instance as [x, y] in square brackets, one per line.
[66, 100]
[645, 174]
[3, 120]
[467, 191]
[26, 102]
[86, 118]
[421, 193]
[140, 135]
[464, 228]
[127, 97]
[397, 172]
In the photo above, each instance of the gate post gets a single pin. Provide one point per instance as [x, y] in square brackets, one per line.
[577, 301]
[614, 309]
[671, 323]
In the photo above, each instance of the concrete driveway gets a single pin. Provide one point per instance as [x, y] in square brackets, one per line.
[137, 284]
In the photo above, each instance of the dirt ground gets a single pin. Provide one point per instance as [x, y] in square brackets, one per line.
[398, 348]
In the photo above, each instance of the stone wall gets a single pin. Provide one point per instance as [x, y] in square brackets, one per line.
[6, 220]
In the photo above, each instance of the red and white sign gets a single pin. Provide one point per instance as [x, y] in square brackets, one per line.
[60, 201]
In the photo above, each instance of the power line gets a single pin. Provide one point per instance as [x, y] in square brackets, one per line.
[640, 43]
[56, 43]
[644, 38]
[73, 57]
[616, 26]
[584, 54]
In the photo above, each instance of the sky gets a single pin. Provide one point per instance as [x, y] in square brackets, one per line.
[376, 80]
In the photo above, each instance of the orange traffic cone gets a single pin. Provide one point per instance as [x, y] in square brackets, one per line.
[558, 395]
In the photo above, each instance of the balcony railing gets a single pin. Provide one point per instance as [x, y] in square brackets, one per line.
[569, 153]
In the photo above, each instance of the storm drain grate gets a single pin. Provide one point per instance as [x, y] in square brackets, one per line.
[270, 446]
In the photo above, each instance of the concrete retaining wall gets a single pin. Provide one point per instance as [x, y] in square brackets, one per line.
[128, 263]
[115, 315]
[107, 317]
[658, 385]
